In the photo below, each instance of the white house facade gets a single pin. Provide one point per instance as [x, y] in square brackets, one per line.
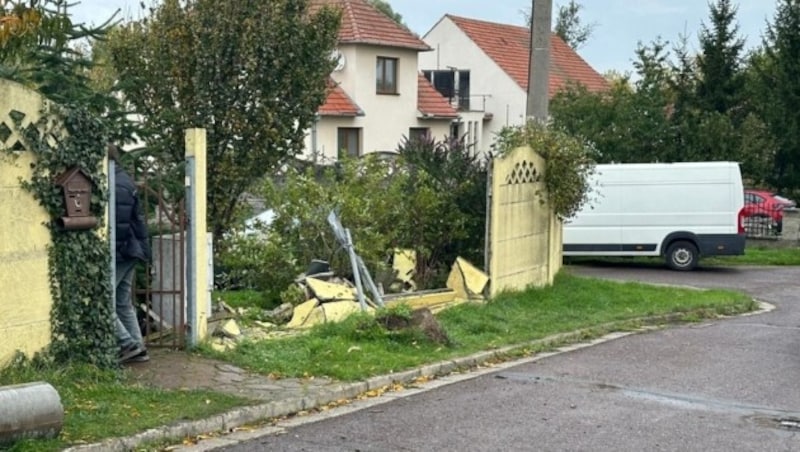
[482, 68]
[377, 97]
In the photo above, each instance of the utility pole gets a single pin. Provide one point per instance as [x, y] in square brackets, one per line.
[539, 65]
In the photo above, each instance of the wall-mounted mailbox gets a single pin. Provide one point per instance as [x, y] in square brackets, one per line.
[77, 189]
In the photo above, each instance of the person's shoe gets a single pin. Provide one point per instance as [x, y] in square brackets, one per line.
[140, 358]
[130, 351]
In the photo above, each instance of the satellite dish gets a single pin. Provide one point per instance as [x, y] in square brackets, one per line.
[338, 57]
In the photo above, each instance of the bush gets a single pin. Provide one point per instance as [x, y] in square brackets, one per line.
[459, 178]
[250, 262]
[431, 199]
[569, 163]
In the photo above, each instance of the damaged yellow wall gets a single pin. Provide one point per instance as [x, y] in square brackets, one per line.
[524, 234]
[25, 302]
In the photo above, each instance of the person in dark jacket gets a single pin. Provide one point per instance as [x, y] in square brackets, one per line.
[132, 246]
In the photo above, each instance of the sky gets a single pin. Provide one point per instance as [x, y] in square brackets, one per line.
[619, 25]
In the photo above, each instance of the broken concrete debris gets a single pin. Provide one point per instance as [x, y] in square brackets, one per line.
[467, 281]
[328, 291]
[229, 329]
[302, 312]
[404, 264]
[435, 300]
[222, 344]
[281, 314]
[332, 299]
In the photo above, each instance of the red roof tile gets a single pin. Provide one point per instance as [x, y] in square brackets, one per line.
[509, 47]
[338, 103]
[363, 24]
[430, 102]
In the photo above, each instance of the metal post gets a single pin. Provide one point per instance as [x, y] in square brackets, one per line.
[539, 64]
[112, 231]
[191, 252]
[487, 253]
[356, 275]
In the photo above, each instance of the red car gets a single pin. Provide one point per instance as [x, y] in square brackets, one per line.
[760, 205]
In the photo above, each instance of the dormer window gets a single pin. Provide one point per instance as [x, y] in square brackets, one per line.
[386, 76]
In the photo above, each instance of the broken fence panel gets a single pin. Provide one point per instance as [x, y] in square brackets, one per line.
[376, 295]
[356, 275]
[360, 271]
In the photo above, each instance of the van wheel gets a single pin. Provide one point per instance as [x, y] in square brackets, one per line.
[682, 256]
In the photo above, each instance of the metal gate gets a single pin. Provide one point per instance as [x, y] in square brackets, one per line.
[161, 285]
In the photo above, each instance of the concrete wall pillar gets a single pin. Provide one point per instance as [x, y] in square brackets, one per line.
[197, 254]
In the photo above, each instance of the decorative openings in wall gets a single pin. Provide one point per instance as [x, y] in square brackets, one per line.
[5, 133]
[8, 123]
[523, 173]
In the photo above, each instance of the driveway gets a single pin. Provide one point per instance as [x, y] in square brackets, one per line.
[725, 385]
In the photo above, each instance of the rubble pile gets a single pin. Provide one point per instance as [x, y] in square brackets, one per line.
[327, 297]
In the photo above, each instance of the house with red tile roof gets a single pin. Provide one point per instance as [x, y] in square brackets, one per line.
[482, 68]
[377, 96]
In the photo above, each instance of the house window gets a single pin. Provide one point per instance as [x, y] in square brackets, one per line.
[453, 84]
[419, 134]
[463, 91]
[386, 76]
[455, 130]
[349, 143]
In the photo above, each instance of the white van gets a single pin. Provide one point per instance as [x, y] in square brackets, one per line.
[680, 211]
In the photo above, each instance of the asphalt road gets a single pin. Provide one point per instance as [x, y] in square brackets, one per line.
[727, 385]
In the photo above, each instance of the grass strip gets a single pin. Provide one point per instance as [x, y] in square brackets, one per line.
[359, 348]
[103, 404]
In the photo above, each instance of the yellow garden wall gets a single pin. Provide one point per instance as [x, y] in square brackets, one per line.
[25, 300]
[524, 234]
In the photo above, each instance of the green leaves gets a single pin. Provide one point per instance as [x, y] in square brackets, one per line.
[252, 73]
[569, 163]
[431, 200]
[777, 72]
[693, 107]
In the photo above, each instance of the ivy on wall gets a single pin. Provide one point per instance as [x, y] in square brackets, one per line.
[79, 260]
[569, 164]
[49, 53]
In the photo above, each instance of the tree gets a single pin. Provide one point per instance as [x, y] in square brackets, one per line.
[779, 92]
[39, 47]
[682, 106]
[20, 22]
[626, 124]
[384, 7]
[252, 73]
[720, 81]
[758, 146]
[568, 24]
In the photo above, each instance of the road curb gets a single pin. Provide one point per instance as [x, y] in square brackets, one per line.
[226, 422]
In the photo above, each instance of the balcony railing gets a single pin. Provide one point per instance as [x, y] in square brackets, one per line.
[473, 102]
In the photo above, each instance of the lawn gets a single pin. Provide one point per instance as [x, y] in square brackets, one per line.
[102, 404]
[753, 255]
[358, 348]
